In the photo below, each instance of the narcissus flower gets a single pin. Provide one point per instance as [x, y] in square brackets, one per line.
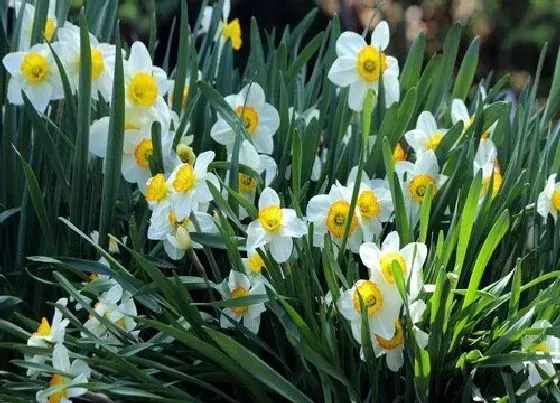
[102, 61]
[227, 30]
[157, 193]
[239, 285]
[361, 66]
[188, 185]
[383, 305]
[427, 135]
[261, 164]
[410, 259]
[36, 74]
[63, 386]
[393, 348]
[416, 178]
[189, 80]
[113, 244]
[259, 117]
[459, 112]
[546, 344]
[118, 307]
[47, 334]
[253, 263]
[486, 160]
[549, 199]
[275, 227]
[51, 23]
[374, 205]
[174, 232]
[330, 213]
[145, 85]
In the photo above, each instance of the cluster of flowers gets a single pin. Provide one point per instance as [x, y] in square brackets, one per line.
[179, 198]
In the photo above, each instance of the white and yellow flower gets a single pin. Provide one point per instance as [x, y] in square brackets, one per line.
[374, 205]
[330, 213]
[459, 112]
[548, 201]
[239, 285]
[227, 31]
[306, 116]
[383, 305]
[51, 23]
[67, 380]
[157, 193]
[36, 74]
[188, 185]
[415, 179]
[259, 117]
[118, 307]
[260, 163]
[174, 232]
[361, 66]
[541, 344]
[486, 160]
[47, 334]
[393, 348]
[275, 227]
[145, 86]
[113, 244]
[427, 136]
[102, 61]
[410, 259]
[253, 264]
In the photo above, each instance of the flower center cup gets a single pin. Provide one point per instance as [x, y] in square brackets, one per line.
[232, 31]
[371, 297]
[250, 118]
[368, 204]
[236, 293]
[371, 63]
[419, 185]
[337, 216]
[255, 263]
[35, 67]
[271, 218]
[185, 179]
[143, 90]
[97, 64]
[387, 263]
[434, 141]
[156, 189]
[44, 328]
[247, 183]
[143, 151]
[58, 380]
[556, 200]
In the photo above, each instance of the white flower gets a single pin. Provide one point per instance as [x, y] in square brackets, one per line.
[318, 162]
[102, 61]
[374, 205]
[459, 112]
[145, 86]
[113, 244]
[118, 307]
[259, 117]
[47, 334]
[254, 264]
[157, 193]
[226, 30]
[549, 199]
[51, 23]
[329, 213]
[541, 344]
[165, 225]
[35, 72]
[275, 227]
[247, 184]
[415, 179]
[239, 285]
[361, 66]
[188, 185]
[486, 160]
[64, 389]
[426, 136]
[383, 306]
[393, 348]
[410, 259]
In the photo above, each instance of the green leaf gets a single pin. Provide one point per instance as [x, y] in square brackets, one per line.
[249, 361]
[115, 144]
[306, 54]
[413, 65]
[465, 76]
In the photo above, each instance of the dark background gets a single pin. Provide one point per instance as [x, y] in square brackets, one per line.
[512, 32]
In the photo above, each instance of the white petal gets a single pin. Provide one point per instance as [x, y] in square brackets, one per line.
[268, 118]
[202, 162]
[256, 235]
[139, 58]
[39, 95]
[281, 248]
[14, 92]
[391, 242]
[356, 95]
[349, 44]
[459, 111]
[292, 226]
[268, 198]
[222, 133]
[380, 37]
[60, 358]
[251, 95]
[391, 86]
[426, 122]
[318, 207]
[344, 72]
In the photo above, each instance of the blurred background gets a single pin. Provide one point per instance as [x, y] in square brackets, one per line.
[512, 32]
